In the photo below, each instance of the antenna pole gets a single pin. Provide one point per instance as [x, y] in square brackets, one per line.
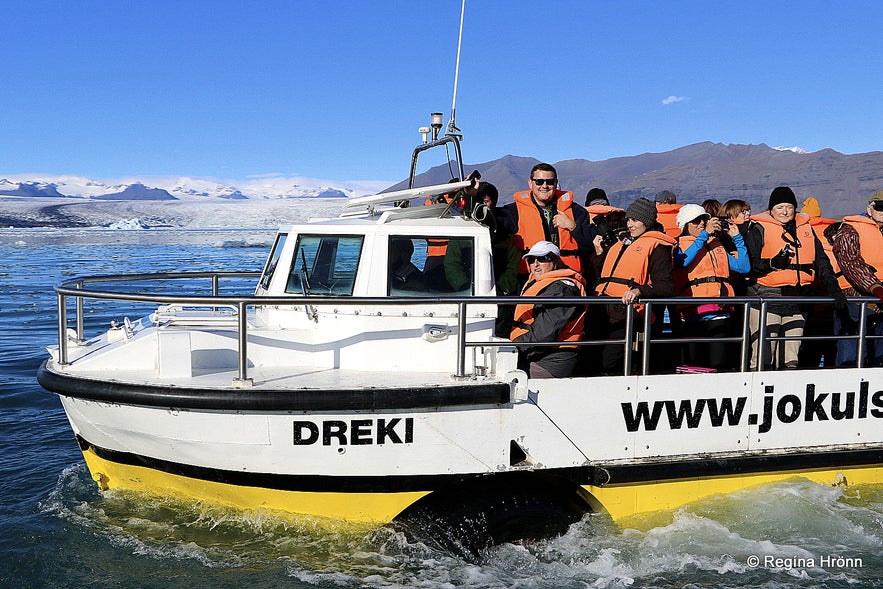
[452, 126]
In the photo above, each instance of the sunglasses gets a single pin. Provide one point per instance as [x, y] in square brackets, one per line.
[877, 205]
[542, 259]
[541, 181]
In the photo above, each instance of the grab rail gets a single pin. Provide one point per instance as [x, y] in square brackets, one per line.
[76, 288]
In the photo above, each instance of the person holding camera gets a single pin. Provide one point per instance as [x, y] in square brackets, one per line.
[703, 268]
[597, 203]
[786, 257]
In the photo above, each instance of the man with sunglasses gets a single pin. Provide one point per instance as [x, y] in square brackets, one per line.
[545, 213]
[786, 257]
[858, 250]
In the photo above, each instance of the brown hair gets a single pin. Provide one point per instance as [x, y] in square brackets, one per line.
[732, 208]
[712, 206]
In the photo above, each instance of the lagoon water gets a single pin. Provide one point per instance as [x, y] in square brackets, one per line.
[57, 530]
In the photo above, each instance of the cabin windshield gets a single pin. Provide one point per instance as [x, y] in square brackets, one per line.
[325, 265]
[272, 261]
[429, 266]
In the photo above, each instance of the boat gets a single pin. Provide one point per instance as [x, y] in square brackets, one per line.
[334, 390]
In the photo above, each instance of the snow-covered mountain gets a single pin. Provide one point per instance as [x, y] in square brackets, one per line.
[183, 188]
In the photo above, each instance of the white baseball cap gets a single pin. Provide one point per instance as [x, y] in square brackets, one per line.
[541, 248]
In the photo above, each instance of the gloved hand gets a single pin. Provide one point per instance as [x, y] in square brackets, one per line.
[781, 260]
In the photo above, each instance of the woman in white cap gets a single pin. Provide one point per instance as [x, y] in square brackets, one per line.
[702, 269]
[549, 277]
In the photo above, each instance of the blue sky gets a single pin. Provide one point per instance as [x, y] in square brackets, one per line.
[338, 89]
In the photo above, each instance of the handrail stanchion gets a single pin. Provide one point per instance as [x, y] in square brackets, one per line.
[242, 333]
[761, 336]
[629, 340]
[645, 350]
[62, 330]
[862, 331]
[81, 329]
[745, 355]
[461, 340]
[215, 285]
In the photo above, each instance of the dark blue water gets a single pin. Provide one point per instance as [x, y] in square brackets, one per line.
[57, 530]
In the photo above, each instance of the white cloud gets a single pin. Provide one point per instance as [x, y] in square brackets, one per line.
[673, 99]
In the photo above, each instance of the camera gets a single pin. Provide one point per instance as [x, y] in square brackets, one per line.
[608, 234]
[725, 223]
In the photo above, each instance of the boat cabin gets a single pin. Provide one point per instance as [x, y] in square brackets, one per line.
[426, 252]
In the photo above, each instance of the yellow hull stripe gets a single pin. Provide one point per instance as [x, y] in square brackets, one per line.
[623, 501]
[354, 507]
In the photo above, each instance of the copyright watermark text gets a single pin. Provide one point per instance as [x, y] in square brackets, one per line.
[829, 561]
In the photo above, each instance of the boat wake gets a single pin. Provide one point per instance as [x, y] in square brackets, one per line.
[797, 529]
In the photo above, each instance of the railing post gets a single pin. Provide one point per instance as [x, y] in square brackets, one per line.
[215, 284]
[461, 340]
[629, 340]
[81, 329]
[761, 336]
[242, 333]
[862, 331]
[745, 355]
[62, 330]
[645, 351]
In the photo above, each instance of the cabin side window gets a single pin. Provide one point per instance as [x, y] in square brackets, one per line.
[325, 265]
[421, 266]
[272, 261]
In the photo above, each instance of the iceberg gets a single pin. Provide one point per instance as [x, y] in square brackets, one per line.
[128, 224]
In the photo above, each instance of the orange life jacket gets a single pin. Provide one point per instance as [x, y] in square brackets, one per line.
[436, 247]
[667, 214]
[800, 271]
[595, 210]
[530, 229]
[524, 313]
[627, 267]
[708, 275]
[444, 198]
[819, 224]
[870, 242]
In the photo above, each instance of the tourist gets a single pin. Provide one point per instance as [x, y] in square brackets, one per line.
[549, 277]
[545, 213]
[633, 270]
[858, 248]
[667, 208]
[703, 268]
[786, 257]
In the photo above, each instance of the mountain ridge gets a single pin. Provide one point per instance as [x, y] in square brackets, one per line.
[840, 182]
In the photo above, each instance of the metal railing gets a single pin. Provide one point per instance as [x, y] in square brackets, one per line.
[639, 329]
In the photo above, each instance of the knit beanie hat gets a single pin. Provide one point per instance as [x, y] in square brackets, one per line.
[596, 196]
[642, 210]
[782, 194]
[666, 196]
